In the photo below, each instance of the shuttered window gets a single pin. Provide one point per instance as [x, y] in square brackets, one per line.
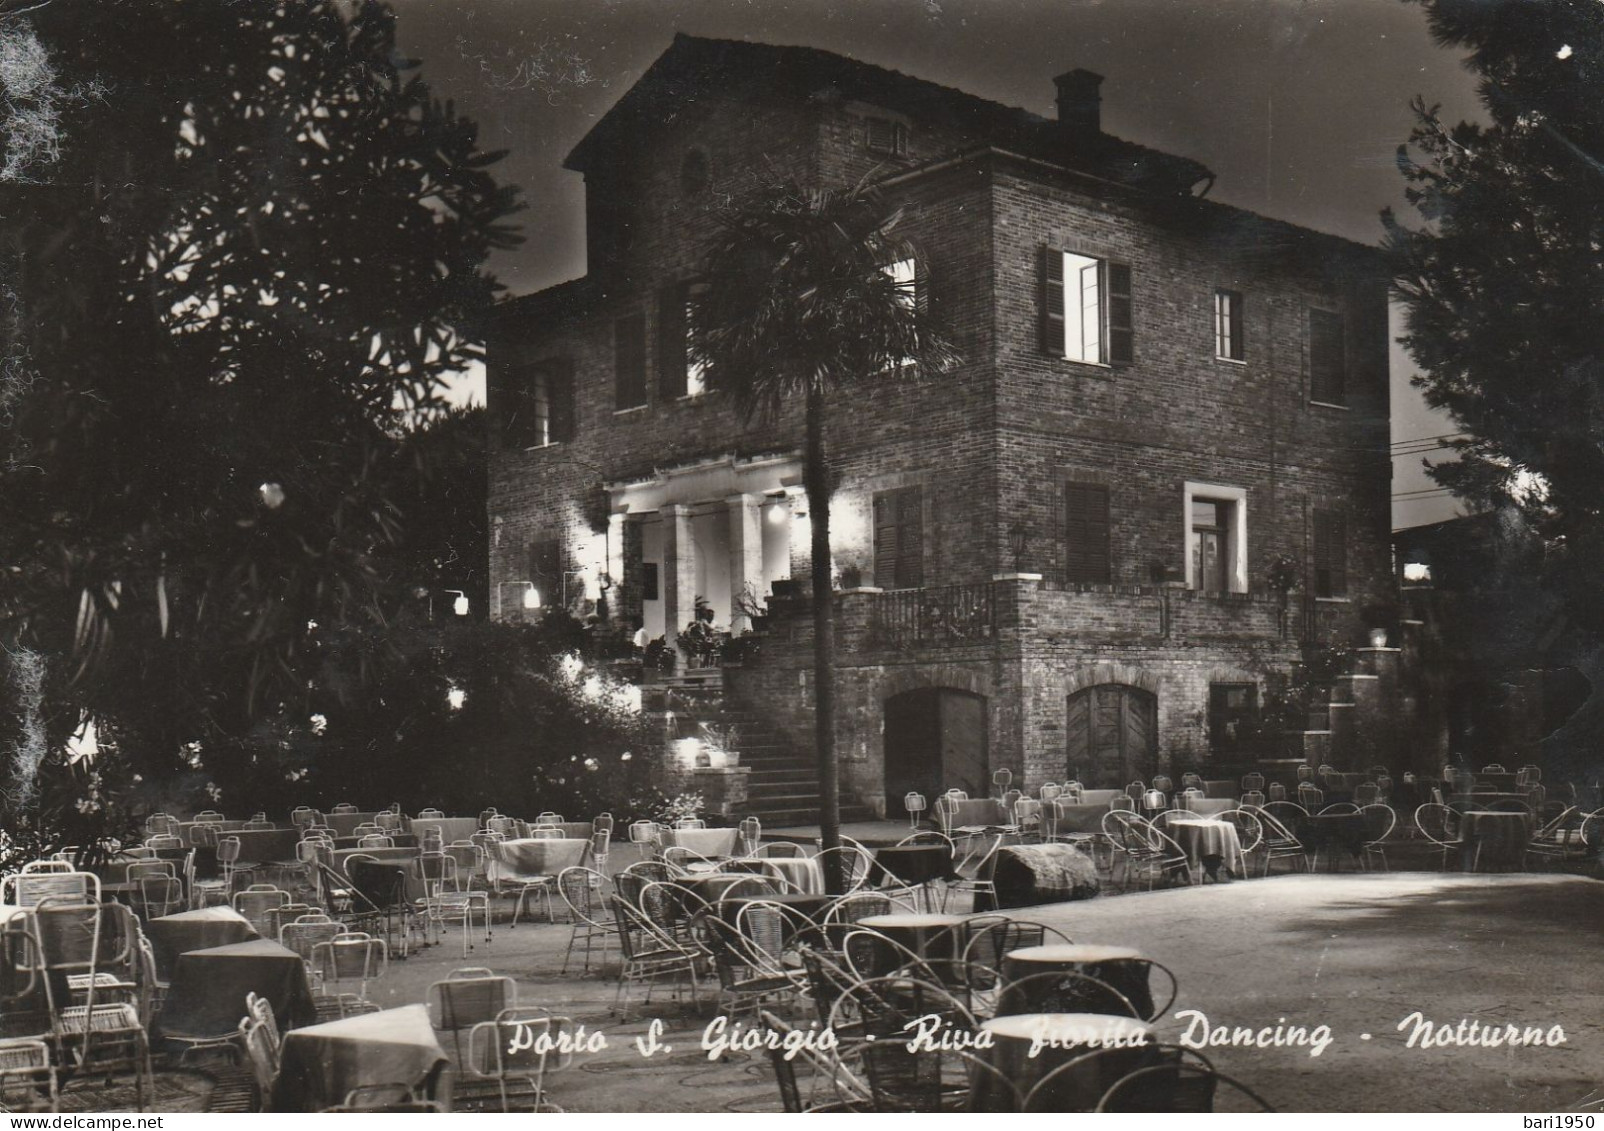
[678, 375]
[629, 360]
[1328, 357]
[537, 405]
[1330, 554]
[1086, 540]
[899, 538]
[1086, 312]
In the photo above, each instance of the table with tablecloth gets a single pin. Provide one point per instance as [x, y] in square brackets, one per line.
[338, 861]
[938, 937]
[574, 830]
[797, 873]
[206, 995]
[1345, 831]
[267, 846]
[397, 840]
[974, 813]
[186, 829]
[1026, 1047]
[910, 865]
[1121, 968]
[1209, 845]
[449, 828]
[1338, 781]
[810, 905]
[344, 824]
[1083, 818]
[1206, 806]
[1497, 781]
[1099, 797]
[321, 1064]
[704, 842]
[535, 857]
[1493, 837]
[171, 935]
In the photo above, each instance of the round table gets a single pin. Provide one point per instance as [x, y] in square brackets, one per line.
[1208, 844]
[928, 935]
[1026, 1047]
[1123, 969]
[1494, 837]
[808, 904]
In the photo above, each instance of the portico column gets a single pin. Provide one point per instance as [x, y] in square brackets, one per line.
[679, 569]
[615, 563]
[746, 554]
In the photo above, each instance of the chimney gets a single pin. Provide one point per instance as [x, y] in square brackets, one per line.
[1079, 102]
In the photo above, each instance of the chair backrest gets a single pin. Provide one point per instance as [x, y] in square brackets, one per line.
[261, 1053]
[603, 823]
[431, 814]
[642, 832]
[345, 807]
[1277, 791]
[303, 935]
[690, 823]
[227, 849]
[160, 895]
[1438, 823]
[469, 996]
[29, 889]
[209, 815]
[376, 840]
[34, 867]
[521, 1043]
[546, 816]
[164, 840]
[351, 957]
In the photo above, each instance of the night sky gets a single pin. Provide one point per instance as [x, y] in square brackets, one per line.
[1297, 105]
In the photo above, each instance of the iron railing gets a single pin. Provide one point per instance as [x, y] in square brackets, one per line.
[948, 614]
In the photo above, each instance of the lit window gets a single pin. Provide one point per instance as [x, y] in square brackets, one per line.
[1216, 538]
[1086, 313]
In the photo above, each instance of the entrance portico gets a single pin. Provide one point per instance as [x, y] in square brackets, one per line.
[721, 530]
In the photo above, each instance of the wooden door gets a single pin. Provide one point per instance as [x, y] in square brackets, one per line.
[935, 740]
[1112, 735]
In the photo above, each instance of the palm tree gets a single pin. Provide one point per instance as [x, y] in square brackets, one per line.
[803, 300]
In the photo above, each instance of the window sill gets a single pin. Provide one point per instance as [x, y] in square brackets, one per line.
[1328, 404]
[1102, 366]
[1335, 600]
[1231, 360]
[631, 409]
[694, 398]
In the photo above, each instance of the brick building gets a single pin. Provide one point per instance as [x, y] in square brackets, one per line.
[1054, 558]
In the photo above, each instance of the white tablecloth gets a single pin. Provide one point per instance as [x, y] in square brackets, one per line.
[535, 857]
[703, 842]
[802, 873]
[1199, 837]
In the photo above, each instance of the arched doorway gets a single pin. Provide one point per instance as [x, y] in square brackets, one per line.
[935, 740]
[1113, 734]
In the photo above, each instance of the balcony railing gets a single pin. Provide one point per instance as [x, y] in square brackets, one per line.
[949, 614]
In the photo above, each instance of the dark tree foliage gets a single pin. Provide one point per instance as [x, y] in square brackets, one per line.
[1502, 284]
[801, 306]
[250, 267]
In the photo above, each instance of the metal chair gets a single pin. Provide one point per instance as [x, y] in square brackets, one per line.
[468, 997]
[582, 890]
[515, 1052]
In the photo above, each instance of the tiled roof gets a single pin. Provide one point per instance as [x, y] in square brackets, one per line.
[693, 64]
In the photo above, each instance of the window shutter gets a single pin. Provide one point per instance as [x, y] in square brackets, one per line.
[1330, 554]
[560, 390]
[1121, 343]
[629, 360]
[512, 402]
[885, 541]
[1086, 534]
[1328, 361]
[1052, 302]
[671, 327]
[910, 538]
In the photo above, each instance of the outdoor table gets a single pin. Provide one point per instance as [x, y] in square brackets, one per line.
[321, 1064]
[535, 857]
[977, 813]
[449, 828]
[1496, 781]
[206, 997]
[1333, 830]
[267, 846]
[1493, 837]
[1100, 797]
[1206, 806]
[1221, 788]
[344, 824]
[400, 840]
[910, 864]
[1208, 844]
[1120, 967]
[186, 829]
[1083, 818]
[704, 889]
[404, 858]
[810, 904]
[1062, 1037]
[573, 830]
[799, 873]
[926, 934]
[172, 935]
[703, 842]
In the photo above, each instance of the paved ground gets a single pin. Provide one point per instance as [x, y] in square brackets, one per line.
[1356, 953]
